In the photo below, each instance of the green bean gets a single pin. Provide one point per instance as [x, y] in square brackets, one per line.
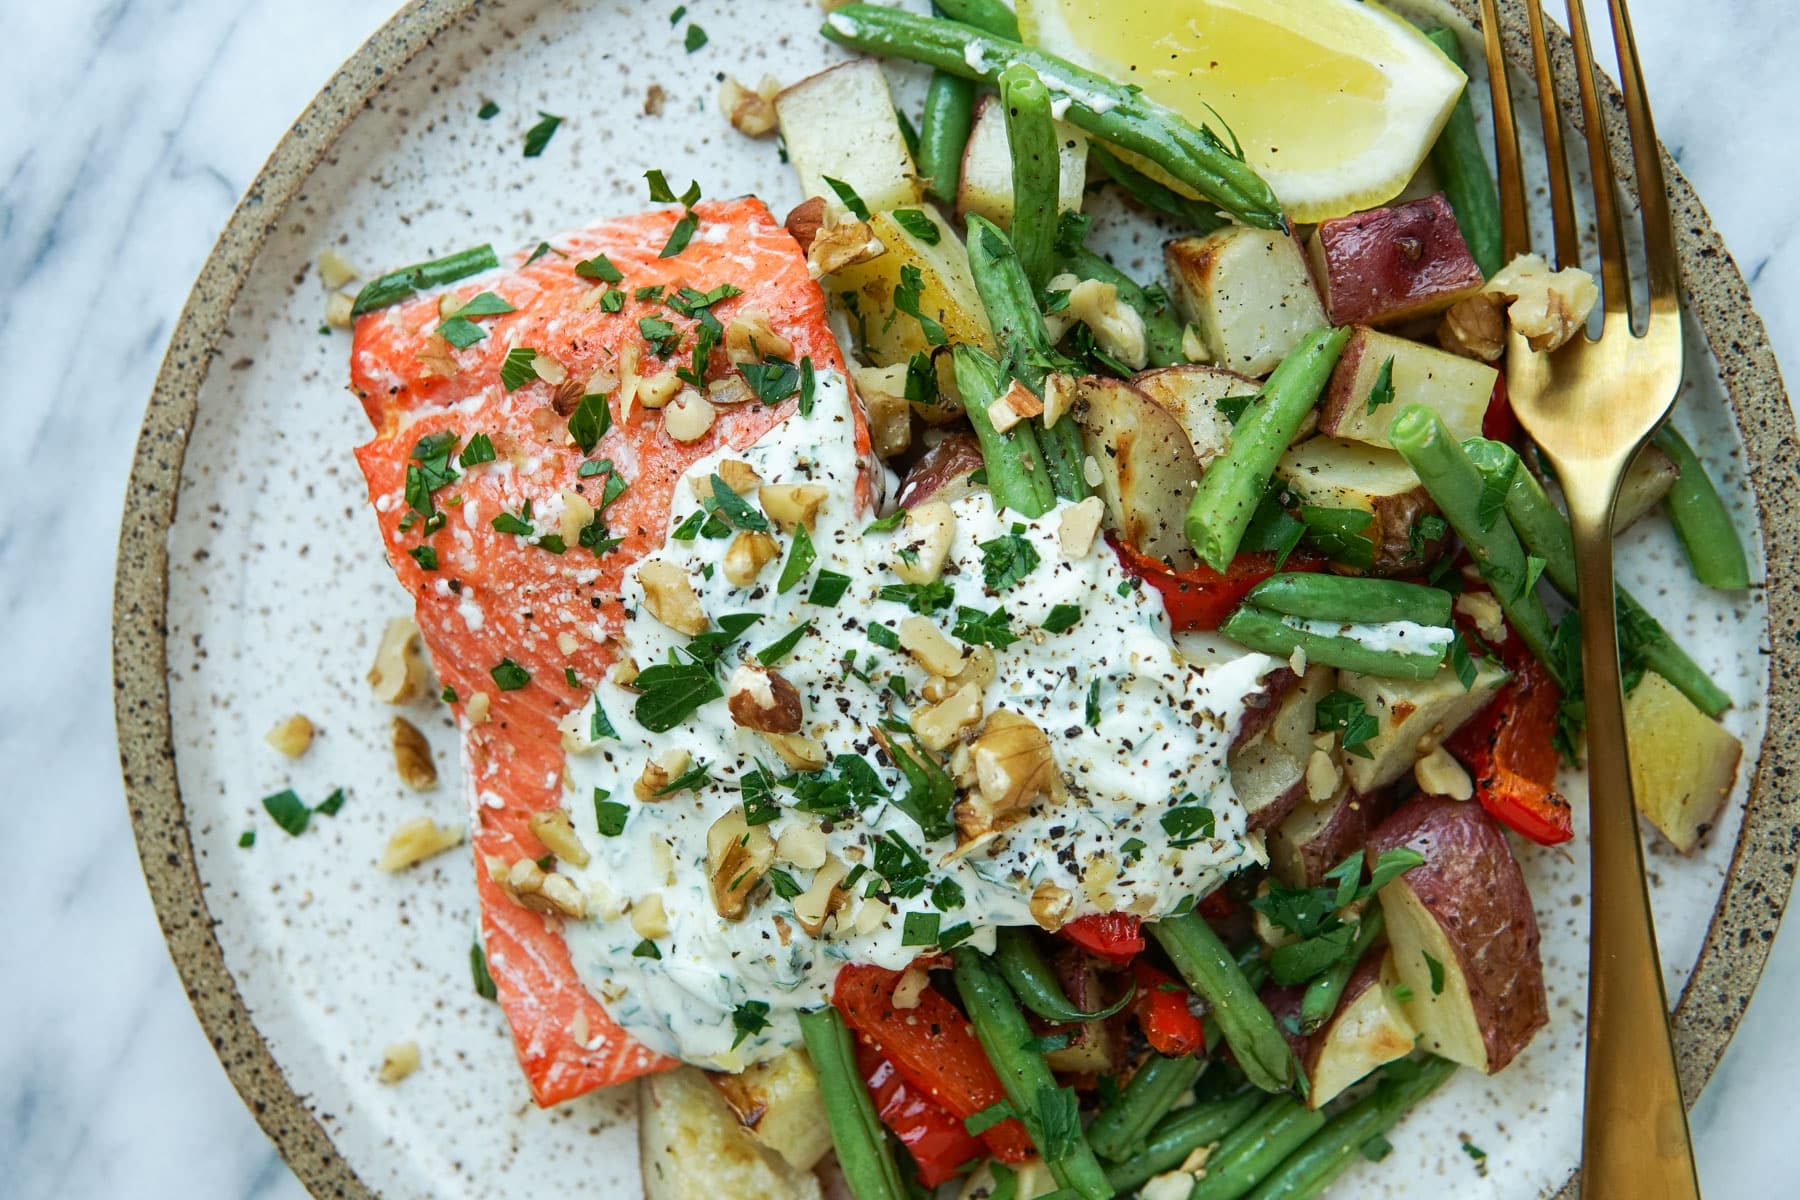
[1545, 532]
[863, 1152]
[1036, 168]
[1714, 550]
[1233, 485]
[1012, 309]
[1016, 474]
[1322, 995]
[1256, 971]
[1268, 633]
[1311, 1169]
[989, 16]
[1120, 1130]
[944, 134]
[399, 285]
[1016, 954]
[1209, 969]
[1239, 1164]
[1180, 1135]
[1351, 599]
[1197, 214]
[1001, 1029]
[1123, 115]
[1461, 492]
[1462, 170]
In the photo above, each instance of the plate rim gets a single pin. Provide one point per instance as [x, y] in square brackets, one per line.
[1752, 898]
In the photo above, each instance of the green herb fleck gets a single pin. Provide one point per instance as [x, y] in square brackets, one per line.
[509, 676]
[538, 136]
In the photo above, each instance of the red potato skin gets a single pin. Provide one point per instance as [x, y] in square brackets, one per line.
[942, 472]
[1346, 832]
[1389, 265]
[1284, 1001]
[1472, 883]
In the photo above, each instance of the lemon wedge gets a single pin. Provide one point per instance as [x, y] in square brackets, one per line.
[1336, 102]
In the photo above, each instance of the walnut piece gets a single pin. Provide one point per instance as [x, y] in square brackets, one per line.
[938, 725]
[552, 827]
[845, 242]
[823, 897]
[398, 675]
[689, 416]
[750, 338]
[791, 505]
[415, 841]
[398, 1061]
[761, 700]
[670, 598]
[659, 773]
[1117, 327]
[738, 854]
[921, 638]
[1017, 403]
[412, 756]
[751, 113]
[290, 735]
[1439, 774]
[747, 555]
[1546, 307]
[805, 220]
[1014, 767]
[924, 543]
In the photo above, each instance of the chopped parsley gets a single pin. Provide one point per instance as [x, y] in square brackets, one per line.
[599, 267]
[669, 693]
[478, 971]
[920, 929]
[292, 813]
[479, 450]
[519, 368]
[800, 559]
[885, 524]
[750, 1017]
[661, 193]
[694, 39]
[691, 780]
[1347, 714]
[1062, 618]
[460, 332]
[646, 949]
[600, 725]
[883, 636]
[1462, 662]
[783, 884]
[848, 197]
[661, 335]
[773, 380]
[1382, 391]
[779, 649]
[946, 894]
[1437, 973]
[1007, 560]
[538, 136]
[1187, 822]
[1093, 705]
[589, 422]
[609, 814]
[983, 629]
[247, 839]
[807, 386]
[488, 110]
[922, 598]
[1493, 496]
[425, 556]
[509, 676]
[916, 223]
[735, 509]
[979, 1123]
[828, 588]
[907, 298]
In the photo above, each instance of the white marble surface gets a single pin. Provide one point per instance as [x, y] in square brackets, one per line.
[133, 127]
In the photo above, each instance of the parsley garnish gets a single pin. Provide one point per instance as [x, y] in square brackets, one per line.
[599, 267]
[288, 810]
[828, 588]
[779, 649]
[800, 559]
[1493, 496]
[425, 556]
[519, 368]
[509, 676]
[1382, 391]
[735, 509]
[1437, 974]
[695, 38]
[690, 780]
[688, 301]
[478, 971]
[460, 332]
[646, 949]
[669, 693]
[920, 929]
[750, 1017]
[538, 136]
[915, 222]
[609, 815]
[612, 300]
[979, 1123]
[479, 450]
[589, 422]
[883, 636]
[399, 285]
[930, 791]
[1059, 1117]
[773, 380]
[885, 524]
[922, 598]
[946, 894]
[488, 110]
[847, 195]
[1462, 662]
[807, 384]
[1342, 711]
[783, 884]
[983, 629]
[600, 725]
[906, 300]
[709, 647]
[1062, 618]
[684, 229]
[1007, 559]
[1187, 823]
[246, 839]
[661, 335]
[1093, 704]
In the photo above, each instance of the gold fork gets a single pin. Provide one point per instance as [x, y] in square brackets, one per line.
[1589, 407]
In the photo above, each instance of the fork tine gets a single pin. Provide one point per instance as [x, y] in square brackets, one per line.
[1653, 193]
[1615, 274]
[1562, 196]
[1515, 228]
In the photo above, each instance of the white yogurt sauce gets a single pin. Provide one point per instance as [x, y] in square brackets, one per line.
[1164, 726]
[1389, 637]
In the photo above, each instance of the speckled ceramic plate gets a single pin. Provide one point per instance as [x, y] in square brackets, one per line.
[250, 586]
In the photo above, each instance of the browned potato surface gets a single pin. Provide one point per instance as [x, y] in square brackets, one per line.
[1463, 933]
[1147, 470]
[1192, 395]
[942, 472]
[1370, 1028]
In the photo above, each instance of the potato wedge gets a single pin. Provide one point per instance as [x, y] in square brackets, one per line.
[691, 1146]
[1329, 473]
[779, 1104]
[1369, 1029]
[1463, 934]
[1414, 715]
[1389, 265]
[1147, 469]
[1192, 395]
[1457, 389]
[841, 124]
[1649, 478]
[1247, 291]
[1317, 837]
[1683, 763]
[942, 472]
[947, 292]
[1269, 769]
[986, 183]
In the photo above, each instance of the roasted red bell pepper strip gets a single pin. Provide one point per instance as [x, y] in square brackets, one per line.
[1116, 937]
[936, 1139]
[1169, 1025]
[934, 1048]
[1510, 756]
[1200, 597]
[1499, 424]
[1216, 906]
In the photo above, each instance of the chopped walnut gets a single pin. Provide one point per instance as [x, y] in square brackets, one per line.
[791, 505]
[412, 756]
[921, 638]
[552, 827]
[335, 270]
[649, 917]
[1439, 774]
[1014, 767]
[924, 543]
[738, 854]
[844, 242]
[739, 476]
[883, 393]
[290, 735]
[1017, 403]
[577, 515]
[671, 598]
[797, 750]
[762, 700]
[822, 898]
[805, 220]
[1547, 308]
[747, 555]
[689, 416]
[1483, 609]
[751, 113]
[398, 1061]
[415, 841]
[398, 676]
[657, 390]
[1117, 327]
[1079, 526]
[750, 338]
[339, 310]
[659, 773]
[476, 710]
[1059, 396]
[803, 846]
[729, 389]
[1050, 906]
[1321, 776]
[913, 982]
[530, 886]
[939, 725]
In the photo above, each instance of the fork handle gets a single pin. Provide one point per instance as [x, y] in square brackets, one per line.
[1635, 1143]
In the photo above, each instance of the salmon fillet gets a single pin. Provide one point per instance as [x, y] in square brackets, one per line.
[494, 597]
